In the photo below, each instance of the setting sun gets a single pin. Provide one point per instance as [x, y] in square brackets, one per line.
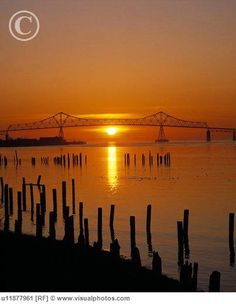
[111, 131]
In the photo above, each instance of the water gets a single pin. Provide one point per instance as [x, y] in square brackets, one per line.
[202, 178]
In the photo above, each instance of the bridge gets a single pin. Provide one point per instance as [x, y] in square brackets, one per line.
[161, 120]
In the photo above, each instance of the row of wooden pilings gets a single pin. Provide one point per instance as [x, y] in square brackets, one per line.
[164, 159]
[3, 161]
[61, 160]
[74, 160]
[188, 272]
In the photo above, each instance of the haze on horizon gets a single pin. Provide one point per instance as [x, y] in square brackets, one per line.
[122, 57]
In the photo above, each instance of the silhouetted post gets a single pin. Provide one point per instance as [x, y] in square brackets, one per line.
[69, 230]
[160, 159]
[231, 238]
[135, 159]
[54, 195]
[195, 276]
[135, 255]
[186, 276]
[185, 232]
[23, 194]
[100, 227]
[132, 233]
[6, 207]
[43, 206]
[143, 160]
[86, 232]
[128, 159]
[52, 230]
[73, 195]
[208, 135]
[38, 182]
[234, 135]
[156, 264]
[148, 219]
[214, 282]
[2, 188]
[18, 227]
[115, 248]
[180, 243]
[63, 198]
[112, 212]
[66, 212]
[81, 229]
[148, 227]
[19, 206]
[6, 200]
[11, 200]
[80, 159]
[32, 201]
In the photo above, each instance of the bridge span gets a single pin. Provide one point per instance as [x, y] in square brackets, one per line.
[161, 120]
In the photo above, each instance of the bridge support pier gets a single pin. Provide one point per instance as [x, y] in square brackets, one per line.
[234, 135]
[208, 135]
[162, 137]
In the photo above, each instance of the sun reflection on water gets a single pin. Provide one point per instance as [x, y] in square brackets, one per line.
[112, 168]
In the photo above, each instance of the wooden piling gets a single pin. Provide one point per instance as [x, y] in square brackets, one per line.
[23, 194]
[180, 243]
[69, 230]
[115, 248]
[195, 276]
[11, 200]
[52, 230]
[231, 238]
[156, 264]
[214, 281]
[132, 233]
[18, 227]
[99, 227]
[86, 231]
[112, 212]
[19, 206]
[6, 207]
[6, 200]
[63, 198]
[32, 201]
[185, 232]
[81, 240]
[2, 188]
[54, 195]
[73, 195]
[81, 217]
[148, 218]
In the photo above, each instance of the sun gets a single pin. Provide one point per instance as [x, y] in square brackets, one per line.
[111, 131]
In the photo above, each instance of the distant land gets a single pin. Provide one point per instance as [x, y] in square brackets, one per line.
[42, 141]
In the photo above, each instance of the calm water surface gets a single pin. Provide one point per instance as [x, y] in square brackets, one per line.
[202, 178]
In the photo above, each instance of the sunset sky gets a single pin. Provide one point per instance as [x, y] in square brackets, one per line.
[123, 57]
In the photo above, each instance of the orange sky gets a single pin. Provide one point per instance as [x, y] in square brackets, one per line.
[132, 57]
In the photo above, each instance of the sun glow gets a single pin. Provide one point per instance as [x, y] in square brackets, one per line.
[111, 131]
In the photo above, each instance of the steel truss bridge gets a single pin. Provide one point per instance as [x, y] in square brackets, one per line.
[161, 120]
